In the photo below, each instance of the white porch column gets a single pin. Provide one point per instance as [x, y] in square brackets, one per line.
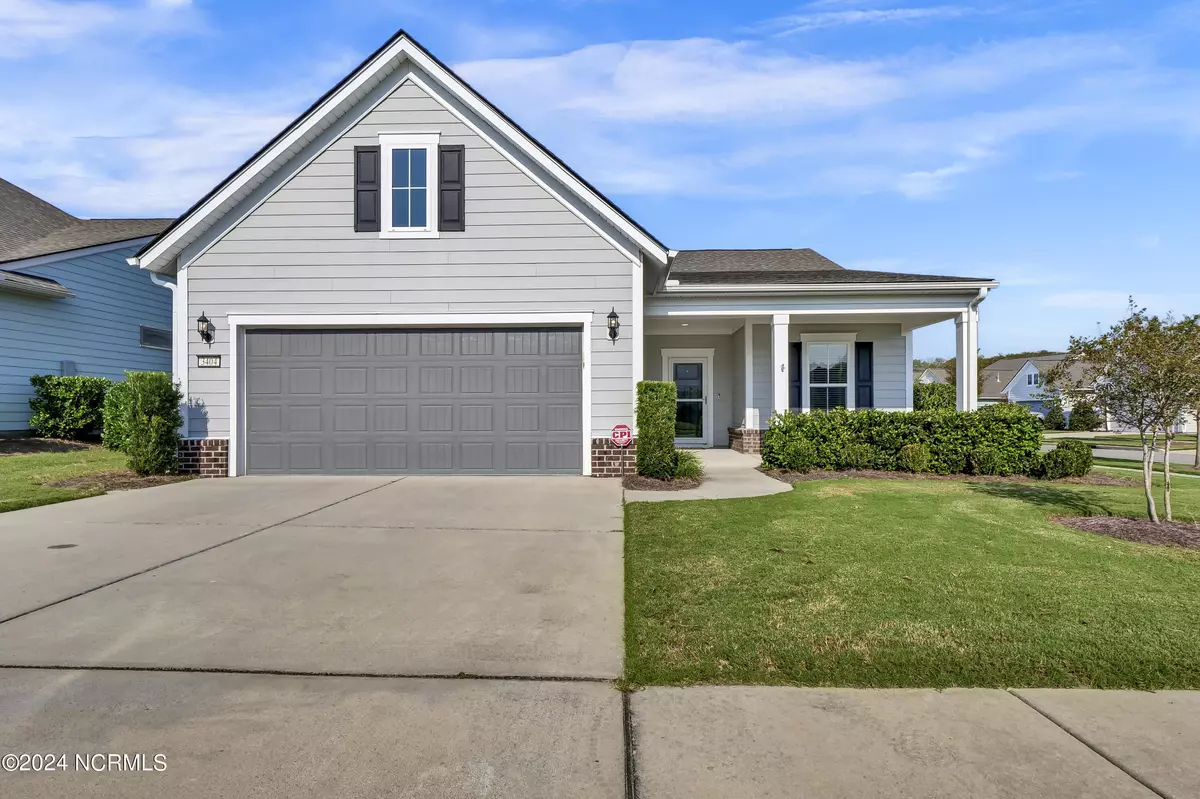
[967, 353]
[750, 412]
[779, 361]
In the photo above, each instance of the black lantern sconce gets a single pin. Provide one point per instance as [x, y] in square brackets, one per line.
[614, 325]
[205, 328]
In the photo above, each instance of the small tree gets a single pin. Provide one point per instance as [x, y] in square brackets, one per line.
[1143, 373]
[1083, 417]
[1055, 418]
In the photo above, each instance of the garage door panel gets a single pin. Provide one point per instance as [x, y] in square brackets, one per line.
[474, 401]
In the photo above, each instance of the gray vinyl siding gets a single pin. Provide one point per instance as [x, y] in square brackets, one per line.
[98, 328]
[739, 377]
[764, 391]
[522, 251]
[721, 403]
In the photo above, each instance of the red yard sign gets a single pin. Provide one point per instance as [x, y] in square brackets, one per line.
[622, 436]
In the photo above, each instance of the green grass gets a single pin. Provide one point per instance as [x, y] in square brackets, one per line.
[1176, 468]
[1184, 441]
[902, 583]
[21, 476]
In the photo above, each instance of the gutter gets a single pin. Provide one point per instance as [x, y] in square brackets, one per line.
[793, 288]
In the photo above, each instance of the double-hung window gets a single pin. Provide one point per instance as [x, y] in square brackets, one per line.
[410, 185]
[828, 375]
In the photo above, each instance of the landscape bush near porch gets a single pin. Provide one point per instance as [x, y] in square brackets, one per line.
[69, 406]
[1002, 439]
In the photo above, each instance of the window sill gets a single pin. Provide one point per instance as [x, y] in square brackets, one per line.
[409, 234]
[151, 347]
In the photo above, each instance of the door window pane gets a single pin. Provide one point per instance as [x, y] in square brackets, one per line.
[689, 380]
[689, 420]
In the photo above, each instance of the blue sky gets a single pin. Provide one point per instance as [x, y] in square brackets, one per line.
[1053, 145]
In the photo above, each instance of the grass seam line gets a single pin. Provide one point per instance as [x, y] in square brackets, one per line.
[85, 592]
[1078, 737]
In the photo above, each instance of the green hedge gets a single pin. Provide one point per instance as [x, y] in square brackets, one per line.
[152, 423]
[1003, 439]
[656, 429]
[116, 415]
[934, 396]
[67, 407]
[1068, 459]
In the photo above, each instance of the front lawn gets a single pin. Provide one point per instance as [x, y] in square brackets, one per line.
[1120, 463]
[905, 583]
[22, 476]
[1184, 441]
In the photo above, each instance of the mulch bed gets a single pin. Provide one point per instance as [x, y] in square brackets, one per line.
[118, 481]
[636, 482]
[786, 476]
[36, 446]
[1143, 531]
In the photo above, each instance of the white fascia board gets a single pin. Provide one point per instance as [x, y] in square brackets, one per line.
[768, 312]
[295, 138]
[807, 288]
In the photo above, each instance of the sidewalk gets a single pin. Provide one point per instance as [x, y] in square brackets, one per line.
[727, 475]
[760, 742]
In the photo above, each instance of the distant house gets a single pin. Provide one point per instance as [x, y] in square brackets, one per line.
[1023, 381]
[69, 303]
[932, 374]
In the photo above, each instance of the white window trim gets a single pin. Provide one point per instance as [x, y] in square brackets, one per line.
[408, 141]
[827, 338]
[239, 323]
[708, 355]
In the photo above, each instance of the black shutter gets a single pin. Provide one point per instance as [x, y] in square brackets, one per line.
[795, 378]
[864, 374]
[451, 197]
[367, 187]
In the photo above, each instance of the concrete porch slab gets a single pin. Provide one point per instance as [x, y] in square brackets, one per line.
[778, 743]
[295, 737]
[1155, 736]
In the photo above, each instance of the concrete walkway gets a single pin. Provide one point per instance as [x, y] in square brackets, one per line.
[727, 475]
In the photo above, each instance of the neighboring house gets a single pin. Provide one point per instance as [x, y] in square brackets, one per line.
[69, 302]
[404, 281]
[932, 374]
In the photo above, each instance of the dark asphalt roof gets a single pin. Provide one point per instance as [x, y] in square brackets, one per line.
[30, 226]
[779, 267]
[805, 277]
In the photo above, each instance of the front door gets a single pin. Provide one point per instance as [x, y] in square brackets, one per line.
[690, 374]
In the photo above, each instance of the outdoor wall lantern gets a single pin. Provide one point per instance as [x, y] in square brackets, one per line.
[614, 325]
[205, 328]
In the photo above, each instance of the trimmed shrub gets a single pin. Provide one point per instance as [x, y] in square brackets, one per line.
[934, 397]
[986, 460]
[1067, 459]
[953, 438]
[117, 403]
[656, 429]
[688, 464]
[1083, 417]
[858, 456]
[152, 440]
[799, 456]
[67, 407]
[1055, 418]
[914, 458]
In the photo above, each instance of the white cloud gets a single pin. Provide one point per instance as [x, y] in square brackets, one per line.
[800, 23]
[31, 27]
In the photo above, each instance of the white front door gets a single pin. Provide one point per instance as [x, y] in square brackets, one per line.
[691, 372]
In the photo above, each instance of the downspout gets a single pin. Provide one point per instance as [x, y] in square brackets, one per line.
[178, 359]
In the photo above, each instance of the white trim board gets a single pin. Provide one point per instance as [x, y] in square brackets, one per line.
[368, 76]
[709, 356]
[239, 323]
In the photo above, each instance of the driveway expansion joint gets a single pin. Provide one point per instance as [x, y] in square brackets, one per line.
[1133, 775]
[149, 569]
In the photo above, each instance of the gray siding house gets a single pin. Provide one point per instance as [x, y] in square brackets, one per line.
[404, 281]
[69, 301]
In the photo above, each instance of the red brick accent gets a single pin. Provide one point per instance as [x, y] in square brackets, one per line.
[607, 459]
[207, 457]
[747, 440]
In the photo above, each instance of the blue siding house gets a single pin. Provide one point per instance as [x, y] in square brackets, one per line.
[69, 302]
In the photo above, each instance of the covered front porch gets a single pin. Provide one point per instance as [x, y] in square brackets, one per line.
[737, 362]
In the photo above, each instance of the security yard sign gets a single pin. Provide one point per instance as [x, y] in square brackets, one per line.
[622, 436]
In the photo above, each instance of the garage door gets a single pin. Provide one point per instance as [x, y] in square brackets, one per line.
[504, 401]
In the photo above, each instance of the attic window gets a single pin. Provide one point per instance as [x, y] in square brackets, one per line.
[410, 179]
[155, 338]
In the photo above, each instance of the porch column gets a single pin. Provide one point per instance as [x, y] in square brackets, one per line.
[779, 361]
[967, 352]
[750, 414]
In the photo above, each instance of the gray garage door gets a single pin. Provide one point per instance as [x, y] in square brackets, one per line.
[506, 401]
